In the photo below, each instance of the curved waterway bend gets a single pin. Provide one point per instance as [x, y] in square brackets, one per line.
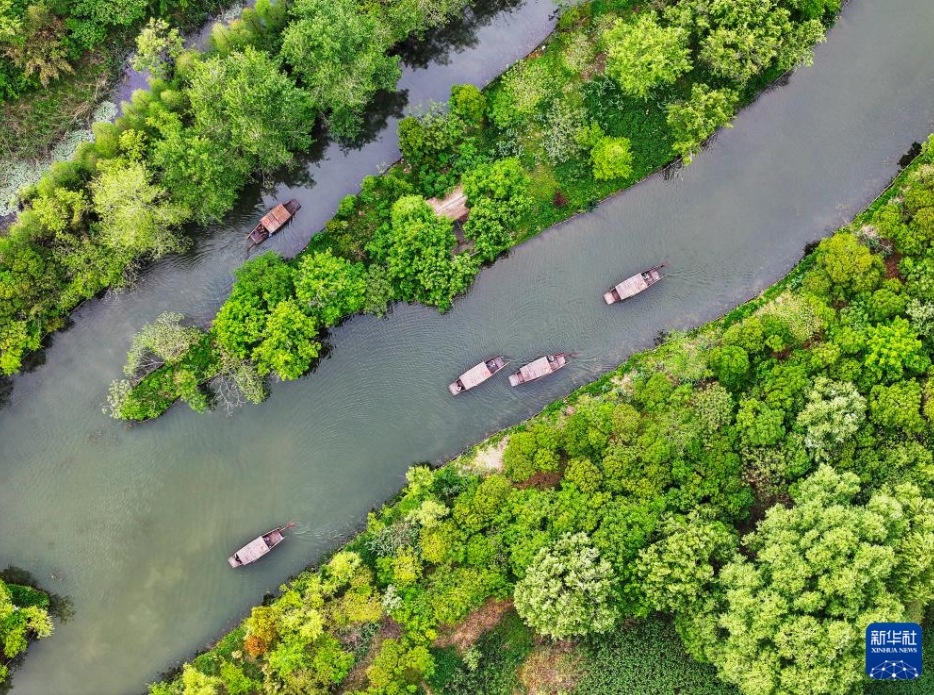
[136, 522]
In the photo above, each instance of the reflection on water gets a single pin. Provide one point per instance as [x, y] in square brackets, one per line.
[139, 521]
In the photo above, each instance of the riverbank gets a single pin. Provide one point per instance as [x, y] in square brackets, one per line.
[804, 409]
[561, 130]
[124, 199]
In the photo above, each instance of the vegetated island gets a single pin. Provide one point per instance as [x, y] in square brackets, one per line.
[181, 152]
[618, 91]
[725, 513]
[24, 616]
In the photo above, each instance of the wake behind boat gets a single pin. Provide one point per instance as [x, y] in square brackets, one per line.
[257, 548]
[477, 374]
[543, 366]
[630, 287]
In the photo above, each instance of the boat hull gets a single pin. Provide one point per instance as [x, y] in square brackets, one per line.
[537, 369]
[477, 374]
[258, 548]
[632, 286]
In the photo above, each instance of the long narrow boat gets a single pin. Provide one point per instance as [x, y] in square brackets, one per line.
[630, 287]
[543, 366]
[273, 221]
[477, 374]
[257, 548]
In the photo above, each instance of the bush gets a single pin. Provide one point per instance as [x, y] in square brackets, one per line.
[611, 158]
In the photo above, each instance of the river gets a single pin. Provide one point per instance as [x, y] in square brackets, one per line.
[135, 523]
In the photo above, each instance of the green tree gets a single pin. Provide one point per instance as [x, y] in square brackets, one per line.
[135, 214]
[419, 257]
[851, 267]
[201, 172]
[163, 341]
[678, 570]
[794, 616]
[246, 102]
[289, 342]
[158, 46]
[892, 349]
[758, 424]
[694, 120]
[897, 407]
[261, 284]
[833, 413]
[331, 287]
[339, 51]
[643, 55]
[568, 590]
[730, 364]
[611, 158]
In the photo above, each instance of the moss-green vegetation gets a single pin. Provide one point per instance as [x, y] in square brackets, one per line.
[617, 92]
[765, 485]
[182, 150]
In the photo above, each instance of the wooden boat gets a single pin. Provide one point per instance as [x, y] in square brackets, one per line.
[477, 374]
[273, 221]
[536, 369]
[630, 287]
[257, 547]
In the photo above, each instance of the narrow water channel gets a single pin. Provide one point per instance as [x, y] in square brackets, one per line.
[135, 523]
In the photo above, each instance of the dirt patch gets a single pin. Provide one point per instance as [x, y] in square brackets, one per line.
[551, 669]
[469, 630]
[891, 266]
[597, 67]
[542, 480]
[489, 459]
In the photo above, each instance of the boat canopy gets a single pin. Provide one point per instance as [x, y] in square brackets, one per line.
[275, 218]
[537, 368]
[475, 375]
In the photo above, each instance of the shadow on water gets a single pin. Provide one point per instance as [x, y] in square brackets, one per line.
[437, 45]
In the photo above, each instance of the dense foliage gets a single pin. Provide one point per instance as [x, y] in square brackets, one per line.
[770, 515]
[549, 138]
[182, 151]
[24, 615]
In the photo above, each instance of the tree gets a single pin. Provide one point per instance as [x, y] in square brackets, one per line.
[897, 407]
[794, 616]
[158, 46]
[833, 413]
[730, 364]
[498, 197]
[567, 590]
[892, 349]
[261, 284]
[419, 255]
[851, 267]
[201, 172]
[611, 158]
[339, 51]
[164, 341]
[246, 102]
[135, 214]
[696, 119]
[331, 287]
[642, 55]
[289, 342]
[758, 424]
[740, 39]
[677, 571]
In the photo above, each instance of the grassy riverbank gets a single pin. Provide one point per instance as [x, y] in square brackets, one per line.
[617, 92]
[760, 489]
[181, 151]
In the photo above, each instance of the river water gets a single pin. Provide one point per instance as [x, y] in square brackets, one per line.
[135, 523]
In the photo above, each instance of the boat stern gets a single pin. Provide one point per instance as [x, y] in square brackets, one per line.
[515, 379]
[234, 561]
[609, 298]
